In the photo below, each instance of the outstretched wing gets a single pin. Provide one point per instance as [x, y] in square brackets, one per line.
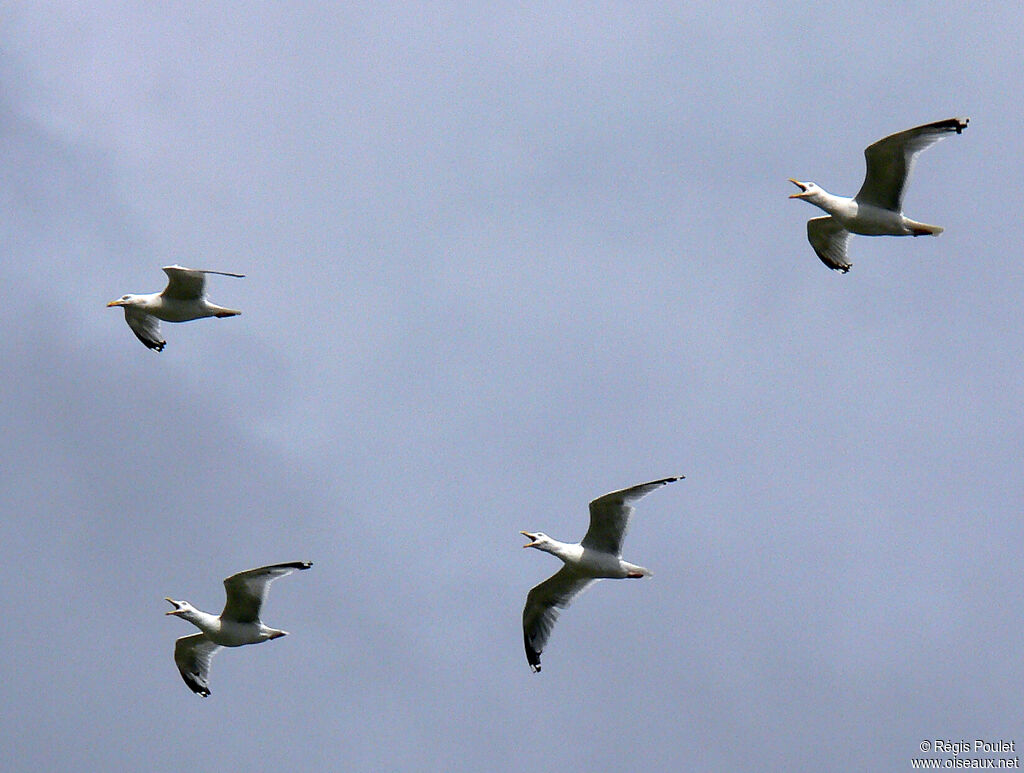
[541, 611]
[891, 160]
[246, 591]
[145, 326]
[609, 516]
[188, 284]
[192, 655]
[828, 238]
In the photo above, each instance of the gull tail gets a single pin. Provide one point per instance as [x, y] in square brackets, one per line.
[220, 311]
[635, 572]
[923, 229]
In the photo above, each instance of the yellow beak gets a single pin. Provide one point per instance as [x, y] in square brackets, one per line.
[528, 535]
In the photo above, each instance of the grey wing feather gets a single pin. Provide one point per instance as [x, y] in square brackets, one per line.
[145, 326]
[192, 656]
[609, 516]
[188, 284]
[828, 238]
[542, 607]
[246, 591]
[891, 160]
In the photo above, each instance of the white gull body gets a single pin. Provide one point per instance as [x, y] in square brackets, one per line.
[183, 300]
[597, 556]
[877, 209]
[237, 625]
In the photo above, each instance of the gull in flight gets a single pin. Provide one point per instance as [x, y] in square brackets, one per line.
[877, 209]
[597, 556]
[183, 300]
[238, 624]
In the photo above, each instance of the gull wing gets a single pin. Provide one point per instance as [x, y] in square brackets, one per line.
[891, 160]
[192, 655]
[609, 516]
[246, 591]
[188, 284]
[145, 326]
[542, 606]
[828, 238]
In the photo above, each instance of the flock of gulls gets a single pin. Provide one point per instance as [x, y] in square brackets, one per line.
[876, 210]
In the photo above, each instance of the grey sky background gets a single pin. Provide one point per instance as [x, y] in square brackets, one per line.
[502, 259]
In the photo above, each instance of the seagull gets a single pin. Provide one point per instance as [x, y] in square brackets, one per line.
[877, 209]
[597, 556]
[238, 624]
[183, 300]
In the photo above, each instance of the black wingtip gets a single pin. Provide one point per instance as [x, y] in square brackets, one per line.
[842, 268]
[952, 124]
[300, 565]
[196, 686]
[532, 655]
[533, 658]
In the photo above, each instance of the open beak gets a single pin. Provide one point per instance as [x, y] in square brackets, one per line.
[177, 607]
[800, 185]
[531, 537]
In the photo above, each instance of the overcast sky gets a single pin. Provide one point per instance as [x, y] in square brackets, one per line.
[501, 259]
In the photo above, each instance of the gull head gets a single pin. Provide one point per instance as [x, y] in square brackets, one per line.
[180, 607]
[537, 539]
[807, 190]
[125, 300]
